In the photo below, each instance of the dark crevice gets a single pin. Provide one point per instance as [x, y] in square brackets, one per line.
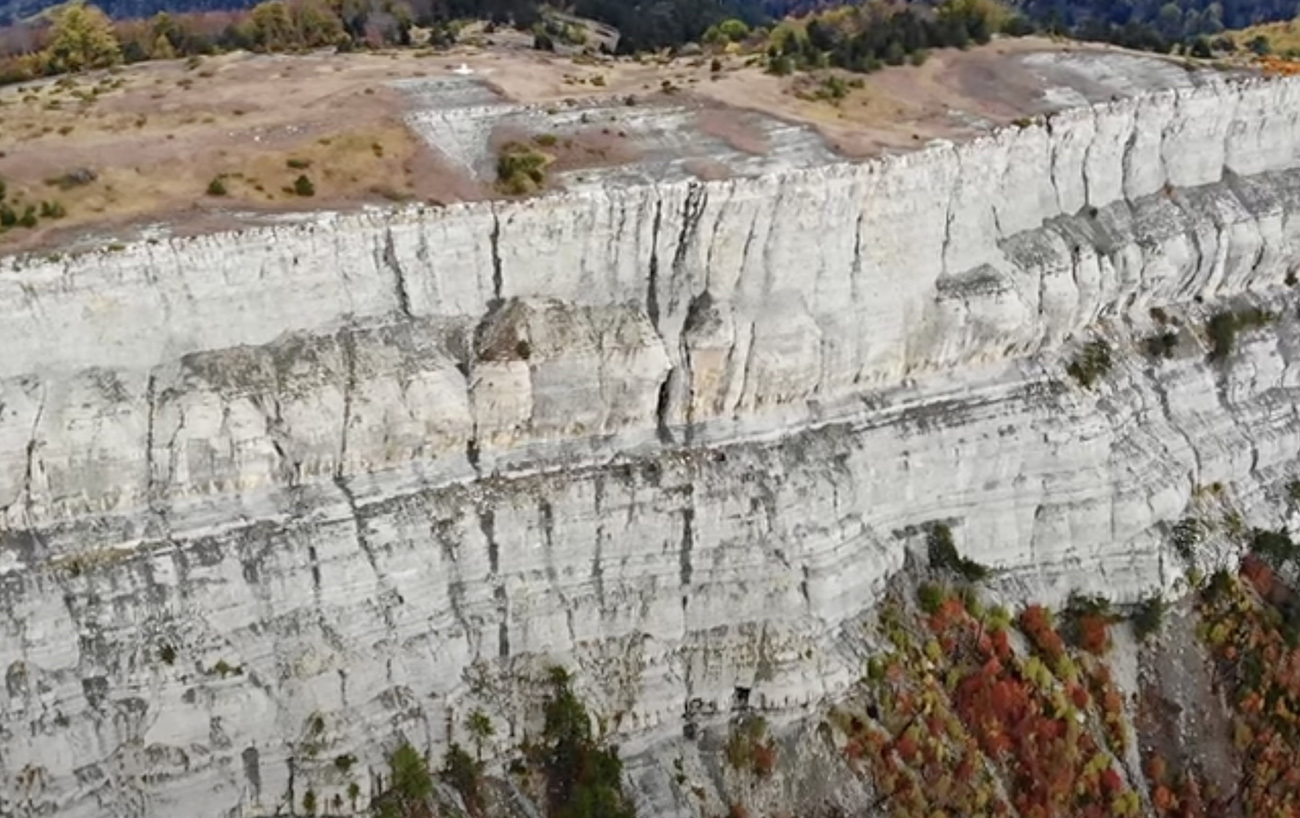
[662, 428]
[687, 546]
[652, 290]
[399, 277]
[495, 239]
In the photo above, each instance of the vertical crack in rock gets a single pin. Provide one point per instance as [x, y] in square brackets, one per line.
[746, 369]
[697, 198]
[855, 272]
[290, 469]
[664, 400]
[367, 548]
[151, 489]
[1162, 396]
[1087, 155]
[546, 521]
[399, 276]
[652, 289]
[1126, 161]
[948, 217]
[487, 524]
[597, 566]
[684, 553]
[1193, 234]
[349, 346]
[30, 455]
[1053, 163]
[494, 239]
[314, 562]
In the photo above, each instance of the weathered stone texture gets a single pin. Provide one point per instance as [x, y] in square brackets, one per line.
[379, 467]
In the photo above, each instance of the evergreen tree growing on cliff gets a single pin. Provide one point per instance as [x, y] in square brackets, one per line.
[584, 779]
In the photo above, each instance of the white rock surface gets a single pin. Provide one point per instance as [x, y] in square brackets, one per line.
[381, 468]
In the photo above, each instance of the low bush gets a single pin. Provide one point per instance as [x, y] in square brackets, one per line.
[1225, 326]
[1149, 616]
[944, 557]
[1092, 363]
[520, 169]
[1162, 345]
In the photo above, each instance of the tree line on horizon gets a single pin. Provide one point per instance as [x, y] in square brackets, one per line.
[858, 36]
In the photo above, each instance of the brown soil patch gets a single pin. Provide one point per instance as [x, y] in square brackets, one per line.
[157, 134]
[595, 147]
[707, 169]
[733, 127]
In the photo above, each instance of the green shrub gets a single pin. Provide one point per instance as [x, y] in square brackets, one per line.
[546, 140]
[167, 654]
[217, 187]
[52, 210]
[7, 216]
[931, 596]
[520, 170]
[409, 785]
[465, 775]
[303, 186]
[1187, 534]
[298, 164]
[1149, 616]
[1092, 363]
[344, 762]
[1274, 547]
[1162, 345]
[1224, 327]
[944, 557]
[584, 779]
[28, 219]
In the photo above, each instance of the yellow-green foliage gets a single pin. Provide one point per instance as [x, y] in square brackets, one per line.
[521, 169]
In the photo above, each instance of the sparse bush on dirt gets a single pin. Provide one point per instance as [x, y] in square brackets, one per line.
[520, 169]
[302, 186]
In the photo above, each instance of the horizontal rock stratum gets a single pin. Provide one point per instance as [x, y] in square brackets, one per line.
[275, 496]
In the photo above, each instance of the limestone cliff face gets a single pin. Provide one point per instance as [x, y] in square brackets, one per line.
[282, 495]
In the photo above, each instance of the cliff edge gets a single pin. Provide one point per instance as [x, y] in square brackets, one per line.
[378, 469]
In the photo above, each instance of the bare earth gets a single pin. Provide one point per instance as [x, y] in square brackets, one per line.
[156, 134]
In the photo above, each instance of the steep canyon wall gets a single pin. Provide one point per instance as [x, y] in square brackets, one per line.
[275, 496]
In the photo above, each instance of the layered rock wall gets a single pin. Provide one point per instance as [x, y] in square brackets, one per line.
[283, 495]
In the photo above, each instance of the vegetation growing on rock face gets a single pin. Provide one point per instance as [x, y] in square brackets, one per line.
[1250, 625]
[409, 785]
[1225, 326]
[944, 557]
[750, 748]
[1091, 364]
[583, 777]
